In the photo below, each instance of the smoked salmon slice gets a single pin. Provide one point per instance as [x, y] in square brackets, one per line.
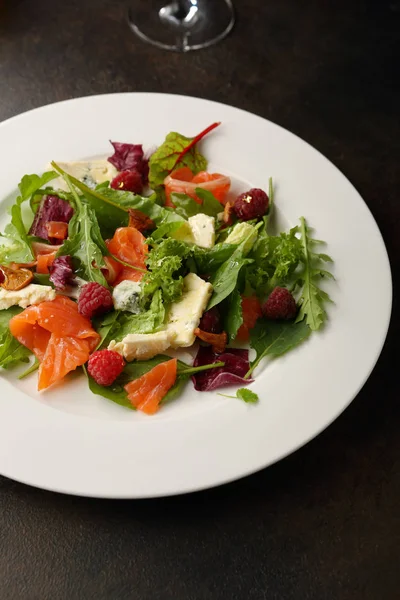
[146, 392]
[60, 337]
[182, 181]
[128, 244]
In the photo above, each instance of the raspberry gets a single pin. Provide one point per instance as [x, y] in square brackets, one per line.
[211, 321]
[94, 299]
[128, 181]
[280, 304]
[105, 366]
[251, 204]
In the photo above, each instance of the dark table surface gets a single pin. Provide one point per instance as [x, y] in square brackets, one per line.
[325, 522]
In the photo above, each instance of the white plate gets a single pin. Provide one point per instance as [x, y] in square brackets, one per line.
[69, 440]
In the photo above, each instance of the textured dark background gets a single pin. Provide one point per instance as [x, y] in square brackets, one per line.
[323, 524]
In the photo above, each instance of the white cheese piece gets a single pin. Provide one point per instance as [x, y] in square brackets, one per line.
[31, 294]
[126, 296]
[203, 230]
[90, 172]
[184, 316]
[141, 346]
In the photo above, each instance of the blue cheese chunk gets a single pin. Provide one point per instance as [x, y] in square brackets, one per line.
[203, 230]
[126, 296]
[141, 346]
[31, 294]
[184, 316]
[90, 172]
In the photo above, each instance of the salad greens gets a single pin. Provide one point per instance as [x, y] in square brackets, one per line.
[247, 260]
[11, 351]
[18, 247]
[274, 338]
[312, 298]
[167, 157]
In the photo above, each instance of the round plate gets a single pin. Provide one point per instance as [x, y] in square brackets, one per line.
[68, 440]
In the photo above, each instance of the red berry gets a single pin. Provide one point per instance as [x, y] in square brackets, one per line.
[128, 181]
[94, 299]
[280, 304]
[105, 366]
[251, 205]
[211, 321]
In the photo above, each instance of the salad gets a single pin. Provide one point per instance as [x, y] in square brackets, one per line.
[148, 273]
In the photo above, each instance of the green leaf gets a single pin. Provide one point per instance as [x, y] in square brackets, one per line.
[164, 159]
[148, 321]
[136, 369]
[166, 230]
[86, 245]
[187, 207]
[274, 338]
[106, 326]
[312, 298]
[11, 351]
[34, 367]
[234, 315]
[224, 280]
[210, 206]
[243, 394]
[247, 395]
[17, 247]
[209, 260]
[29, 184]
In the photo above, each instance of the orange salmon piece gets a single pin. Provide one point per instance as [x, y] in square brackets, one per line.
[146, 392]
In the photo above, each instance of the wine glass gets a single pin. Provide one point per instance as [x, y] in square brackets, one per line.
[182, 25]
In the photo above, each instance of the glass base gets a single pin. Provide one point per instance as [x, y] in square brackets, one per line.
[182, 25]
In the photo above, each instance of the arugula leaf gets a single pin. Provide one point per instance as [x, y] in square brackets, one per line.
[274, 338]
[167, 157]
[148, 321]
[234, 315]
[244, 394]
[17, 247]
[34, 367]
[11, 351]
[312, 297]
[85, 243]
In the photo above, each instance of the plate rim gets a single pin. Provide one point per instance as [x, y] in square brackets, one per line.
[385, 326]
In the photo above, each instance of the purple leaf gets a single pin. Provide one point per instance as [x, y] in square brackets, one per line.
[236, 366]
[61, 272]
[130, 157]
[51, 208]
